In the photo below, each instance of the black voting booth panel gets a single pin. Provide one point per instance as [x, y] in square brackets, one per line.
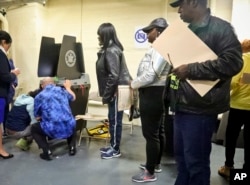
[66, 62]
[48, 57]
[71, 64]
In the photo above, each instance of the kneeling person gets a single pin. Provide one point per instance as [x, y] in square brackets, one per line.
[52, 109]
[20, 118]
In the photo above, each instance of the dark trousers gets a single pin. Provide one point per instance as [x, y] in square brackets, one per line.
[236, 119]
[115, 124]
[151, 109]
[42, 139]
[192, 147]
[169, 133]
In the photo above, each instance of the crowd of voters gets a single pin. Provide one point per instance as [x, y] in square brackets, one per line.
[161, 90]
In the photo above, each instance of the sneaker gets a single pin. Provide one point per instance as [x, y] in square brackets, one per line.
[111, 153]
[105, 149]
[23, 144]
[157, 167]
[224, 171]
[144, 176]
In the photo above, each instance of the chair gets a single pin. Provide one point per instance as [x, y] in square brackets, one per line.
[90, 117]
[130, 123]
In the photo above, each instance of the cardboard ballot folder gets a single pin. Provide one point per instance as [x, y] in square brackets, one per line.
[180, 45]
[124, 97]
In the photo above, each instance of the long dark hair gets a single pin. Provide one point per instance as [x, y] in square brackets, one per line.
[107, 33]
[5, 36]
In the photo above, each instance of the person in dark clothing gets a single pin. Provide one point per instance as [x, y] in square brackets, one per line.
[238, 115]
[150, 81]
[7, 77]
[10, 99]
[56, 121]
[111, 71]
[20, 119]
[196, 116]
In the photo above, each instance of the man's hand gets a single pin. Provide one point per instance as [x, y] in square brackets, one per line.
[181, 72]
[67, 84]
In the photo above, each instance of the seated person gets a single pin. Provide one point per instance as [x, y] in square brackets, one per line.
[20, 118]
[52, 109]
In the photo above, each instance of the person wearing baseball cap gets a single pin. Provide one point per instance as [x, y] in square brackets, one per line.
[150, 82]
[175, 3]
[156, 23]
[196, 116]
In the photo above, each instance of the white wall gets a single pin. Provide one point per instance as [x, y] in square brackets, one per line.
[240, 18]
[26, 26]
[235, 11]
[222, 8]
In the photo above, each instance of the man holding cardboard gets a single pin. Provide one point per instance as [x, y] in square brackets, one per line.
[196, 115]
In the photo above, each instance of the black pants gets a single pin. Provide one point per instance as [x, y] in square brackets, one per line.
[151, 109]
[41, 138]
[236, 119]
[169, 133]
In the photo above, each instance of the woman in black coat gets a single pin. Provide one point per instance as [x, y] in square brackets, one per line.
[7, 76]
[111, 70]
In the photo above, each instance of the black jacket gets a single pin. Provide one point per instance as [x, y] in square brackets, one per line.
[6, 78]
[111, 70]
[219, 37]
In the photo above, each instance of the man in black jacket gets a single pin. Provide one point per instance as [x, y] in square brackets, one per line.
[196, 116]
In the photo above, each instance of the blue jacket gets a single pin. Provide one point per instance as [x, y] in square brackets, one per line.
[52, 105]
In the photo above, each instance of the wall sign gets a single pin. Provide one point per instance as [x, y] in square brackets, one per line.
[140, 38]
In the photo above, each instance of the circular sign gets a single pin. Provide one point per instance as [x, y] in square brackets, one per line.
[140, 36]
[70, 58]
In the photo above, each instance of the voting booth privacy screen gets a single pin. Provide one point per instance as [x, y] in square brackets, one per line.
[65, 61]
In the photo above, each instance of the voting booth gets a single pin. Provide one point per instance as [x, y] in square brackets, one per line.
[65, 61]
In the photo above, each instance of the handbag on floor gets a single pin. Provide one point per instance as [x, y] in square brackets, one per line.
[100, 130]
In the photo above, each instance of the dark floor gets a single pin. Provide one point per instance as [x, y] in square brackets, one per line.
[87, 168]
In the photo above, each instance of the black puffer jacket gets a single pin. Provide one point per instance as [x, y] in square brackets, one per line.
[111, 70]
[219, 37]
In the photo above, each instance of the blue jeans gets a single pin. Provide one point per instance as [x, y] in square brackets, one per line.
[192, 147]
[115, 124]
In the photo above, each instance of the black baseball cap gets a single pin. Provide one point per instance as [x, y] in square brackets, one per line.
[175, 3]
[156, 23]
